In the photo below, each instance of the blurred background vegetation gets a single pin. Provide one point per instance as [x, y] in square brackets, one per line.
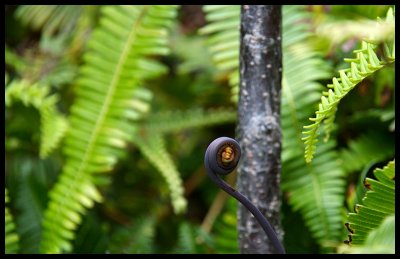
[175, 91]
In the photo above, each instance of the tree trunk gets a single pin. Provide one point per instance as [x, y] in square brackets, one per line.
[259, 132]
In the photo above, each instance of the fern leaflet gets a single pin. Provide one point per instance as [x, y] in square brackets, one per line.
[11, 238]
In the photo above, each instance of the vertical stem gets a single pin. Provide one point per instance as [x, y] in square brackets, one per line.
[259, 132]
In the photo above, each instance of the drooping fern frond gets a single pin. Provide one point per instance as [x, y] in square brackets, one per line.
[108, 101]
[153, 148]
[365, 64]
[11, 237]
[137, 238]
[153, 145]
[49, 18]
[164, 122]
[53, 123]
[222, 33]
[377, 205]
[362, 151]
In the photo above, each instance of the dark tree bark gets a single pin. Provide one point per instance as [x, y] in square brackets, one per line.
[259, 132]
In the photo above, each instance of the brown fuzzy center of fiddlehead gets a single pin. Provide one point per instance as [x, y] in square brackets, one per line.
[227, 155]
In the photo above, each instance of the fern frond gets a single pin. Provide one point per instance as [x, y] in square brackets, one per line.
[49, 18]
[377, 205]
[365, 64]
[153, 148]
[191, 240]
[362, 151]
[137, 238]
[30, 201]
[11, 237]
[225, 232]
[164, 122]
[379, 241]
[316, 190]
[53, 123]
[186, 242]
[222, 33]
[102, 117]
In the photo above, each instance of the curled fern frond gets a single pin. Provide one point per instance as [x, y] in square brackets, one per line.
[153, 148]
[363, 65]
[107, 105]
[11, 237]
[53, 123]
[223, 41]
[377, 205]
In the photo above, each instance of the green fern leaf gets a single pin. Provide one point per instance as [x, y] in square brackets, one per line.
[164, 122]
[377, 205]
[11, 238]
[191, 240]
[108, 102]
[31, 183]
[53, 124]
[223, 41]
[225, 230]
[365, 64]
[186, 242]
[153, 148]
[137, 238]
[49, 18]
[362, 151]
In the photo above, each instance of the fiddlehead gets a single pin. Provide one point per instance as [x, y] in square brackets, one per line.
[222, 157]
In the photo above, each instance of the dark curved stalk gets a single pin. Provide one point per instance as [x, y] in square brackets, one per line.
[212, 163]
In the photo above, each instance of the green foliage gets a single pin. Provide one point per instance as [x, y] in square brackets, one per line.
[225, 230]
[309, 186]
[371, 225]
[223, 41]
[165, 122]
[190, 238]
[30, 199]
[317, 189]
[133, 113]
[50, 19]
[136, 238]
[365, 64]
[11, 238]
[101, 117]
[153, 148]
[362, 151]
[53, 124]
